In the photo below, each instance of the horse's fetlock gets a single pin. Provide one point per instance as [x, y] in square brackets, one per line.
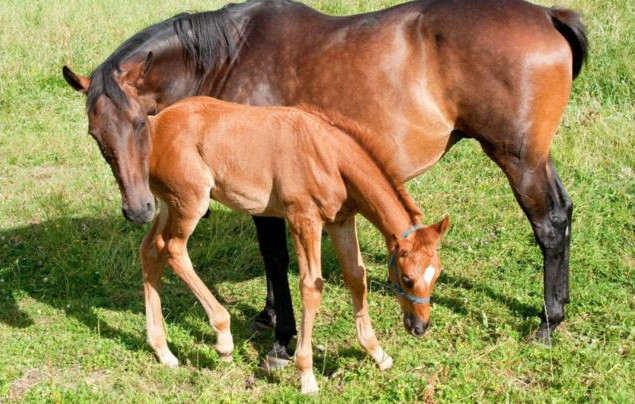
[303, 362]
[554, 315]
[156, 341]
[221, 322]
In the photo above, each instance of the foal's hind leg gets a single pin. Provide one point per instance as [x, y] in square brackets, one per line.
[152, 263]
[544, 200]
[180, 225]
[346, 245]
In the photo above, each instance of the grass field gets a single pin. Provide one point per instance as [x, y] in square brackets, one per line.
[72, 325]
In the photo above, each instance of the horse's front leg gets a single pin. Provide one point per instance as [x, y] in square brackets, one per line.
[180, 224]
[346, 246]
[272, 239]
[307, 239]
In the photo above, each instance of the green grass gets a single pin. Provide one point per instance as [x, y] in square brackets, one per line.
[71, 303]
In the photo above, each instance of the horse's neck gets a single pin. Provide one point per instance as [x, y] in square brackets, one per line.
[375, 197]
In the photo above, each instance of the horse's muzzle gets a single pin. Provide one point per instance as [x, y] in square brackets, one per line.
[139, 216]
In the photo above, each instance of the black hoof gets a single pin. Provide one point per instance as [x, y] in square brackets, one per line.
[545, 331]
[277, 358]
[265, 320]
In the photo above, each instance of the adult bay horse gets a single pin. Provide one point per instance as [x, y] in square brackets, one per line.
[283, 162]
[421, 75]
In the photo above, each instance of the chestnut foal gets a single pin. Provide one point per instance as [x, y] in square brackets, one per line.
[285, 162]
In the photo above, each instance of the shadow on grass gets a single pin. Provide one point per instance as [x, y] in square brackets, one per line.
[81, 265]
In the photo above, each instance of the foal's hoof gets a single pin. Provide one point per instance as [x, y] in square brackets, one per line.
[382, 359]
[309, 384]
[168, 359]
[265, 320]
[385, 363]
[224, 347]
[277, 358]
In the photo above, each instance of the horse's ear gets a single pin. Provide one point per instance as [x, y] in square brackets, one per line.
[147, 65]
[441, 227]
[79, 83]
[139, 72]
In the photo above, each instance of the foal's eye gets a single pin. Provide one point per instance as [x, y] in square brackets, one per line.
[407, 282]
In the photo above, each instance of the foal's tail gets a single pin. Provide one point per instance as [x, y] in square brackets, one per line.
[570, 26]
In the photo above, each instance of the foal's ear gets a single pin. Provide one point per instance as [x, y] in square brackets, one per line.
[79, 83]
[402, 245]
[441, 227]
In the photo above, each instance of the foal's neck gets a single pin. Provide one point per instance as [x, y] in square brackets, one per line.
[377, 199]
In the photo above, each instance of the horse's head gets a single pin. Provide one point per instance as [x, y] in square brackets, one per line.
[117, 121]
[414, 268]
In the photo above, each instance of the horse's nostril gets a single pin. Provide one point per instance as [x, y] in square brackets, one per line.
[148, 206]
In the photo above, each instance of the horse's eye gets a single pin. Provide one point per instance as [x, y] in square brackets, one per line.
[407, 282]
[139, 125]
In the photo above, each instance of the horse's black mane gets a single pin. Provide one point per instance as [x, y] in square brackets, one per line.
[207, 38]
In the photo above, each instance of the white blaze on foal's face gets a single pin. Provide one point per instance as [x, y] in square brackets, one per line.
[428, 274]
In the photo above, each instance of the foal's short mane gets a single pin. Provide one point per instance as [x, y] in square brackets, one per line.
[207, 39]
[367, 141]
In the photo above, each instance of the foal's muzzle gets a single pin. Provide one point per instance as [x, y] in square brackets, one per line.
[415, 325]
[143, 214]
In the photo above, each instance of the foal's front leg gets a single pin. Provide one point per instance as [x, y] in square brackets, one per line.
[346, 246]
[307, 239]
[180, 225]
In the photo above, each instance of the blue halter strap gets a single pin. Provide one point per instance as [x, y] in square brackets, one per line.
[392, 264]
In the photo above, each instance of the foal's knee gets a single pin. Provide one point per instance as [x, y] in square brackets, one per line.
[152, 247]
[174, 249]
[311, 290]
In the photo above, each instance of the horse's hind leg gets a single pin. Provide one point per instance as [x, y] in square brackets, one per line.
[180, 225]
[542, 197]
[346, 245]
[152, 263]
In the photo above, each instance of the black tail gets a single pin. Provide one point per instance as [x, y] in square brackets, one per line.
[570, 26]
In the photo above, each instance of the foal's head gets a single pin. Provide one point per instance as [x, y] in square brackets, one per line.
[117, 121]
[414, 268]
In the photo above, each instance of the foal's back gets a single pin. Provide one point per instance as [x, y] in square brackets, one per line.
[258, 160]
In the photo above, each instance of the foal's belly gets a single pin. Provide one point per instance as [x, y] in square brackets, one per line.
[252, 202]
